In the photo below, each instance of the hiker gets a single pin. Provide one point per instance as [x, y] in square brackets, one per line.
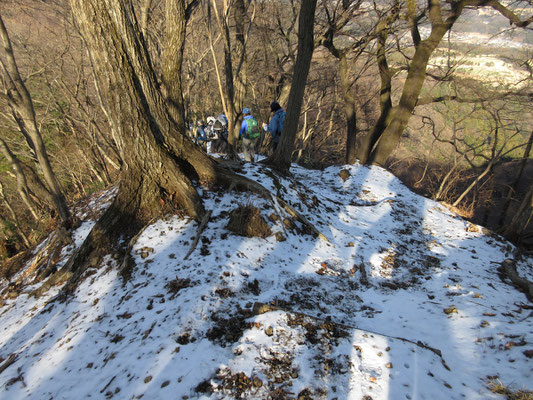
[223, 118]
[276, 123]
[200, 137]
[210, 134]
[191, 131]
[220, 128]
[249, 132]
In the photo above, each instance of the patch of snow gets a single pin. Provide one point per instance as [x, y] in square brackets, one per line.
[434, 320]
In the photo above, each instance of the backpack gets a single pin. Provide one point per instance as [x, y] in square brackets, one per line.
[252, 129]
[218, 125]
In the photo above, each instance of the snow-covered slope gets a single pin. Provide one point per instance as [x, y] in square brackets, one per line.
[403, 301]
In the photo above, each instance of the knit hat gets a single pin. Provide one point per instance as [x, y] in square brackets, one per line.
[274, 106]
[246, 110]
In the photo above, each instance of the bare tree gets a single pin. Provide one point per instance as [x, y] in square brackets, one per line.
[379, 144]
[339, 15]
[23, 112]
[160, 163]
[281, 158]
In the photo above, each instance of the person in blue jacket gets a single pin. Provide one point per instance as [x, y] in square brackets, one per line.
[201, 137]
[276, 123]
[249, 133]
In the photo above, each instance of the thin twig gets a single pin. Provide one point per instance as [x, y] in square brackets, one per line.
[201, 227]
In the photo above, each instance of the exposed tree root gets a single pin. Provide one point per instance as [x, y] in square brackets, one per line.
[508, 270]
[137, 204]
[300, 218]
[262, 308]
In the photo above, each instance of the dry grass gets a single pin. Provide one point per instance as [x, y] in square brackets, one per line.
[499, 388]
[246, 220]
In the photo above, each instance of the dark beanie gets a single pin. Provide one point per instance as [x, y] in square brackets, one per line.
[274, 106]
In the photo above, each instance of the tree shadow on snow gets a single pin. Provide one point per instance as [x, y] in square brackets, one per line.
[284, 316]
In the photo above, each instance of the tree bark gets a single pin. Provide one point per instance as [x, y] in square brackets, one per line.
[173, 59]
[281, 159]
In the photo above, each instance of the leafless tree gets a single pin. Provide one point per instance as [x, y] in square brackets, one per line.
[23, 113]
[382, 140]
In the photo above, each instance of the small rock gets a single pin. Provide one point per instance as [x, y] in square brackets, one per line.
[257, 382]
[528, 353]
[484, 324]
[269, 331]
[147, 379]
[165, 384]
[389, 365]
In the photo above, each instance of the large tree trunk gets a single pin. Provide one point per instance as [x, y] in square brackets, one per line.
[281, 159]
[173, 59]
[157, 157]
[413, 85]
[159, 163]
